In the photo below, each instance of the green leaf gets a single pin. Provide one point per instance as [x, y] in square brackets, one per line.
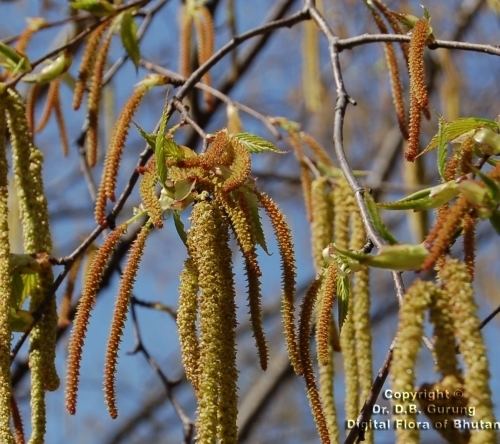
[100, 8]
[394, 257]
[450, 131]
[172, 150]
[257, 231]
[22, 287]
[13, 60]
[343, 294]
[495, 221]
[255, 144]
[150, 138]
[432, 197]
[179, 226]
[51, 71]
[442, 149]
[160, 142]
[128, 34]
[377, 220]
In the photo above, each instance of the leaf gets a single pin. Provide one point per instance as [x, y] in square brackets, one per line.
[100, 8]
[495, 221]
[489, 140]
[442, 151]
[172, 150]
[13, 60]
[179, 226]
[452, 130]
[150, 138]
[257, 231]
[51, 71]
[22, 287]
[394, 257]
[425, 199]
[343, 294]
[160, 142]
[255, 144]
[130, 41]
[491, 184]
[377, 220]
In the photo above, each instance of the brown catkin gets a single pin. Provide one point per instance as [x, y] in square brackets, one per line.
[285, 244]
[61, 125]
[94, 100]
[120, 316]
[5, 290]
[306, 362]
[323, 323]
[316, 148]
[85, 305]
[31, 100]
[419, 99]
[186, 322]
[469, 240]
[50, 100]
[404, 357]
[396, 86]
[17, 422]
[457, 283]
[322, 219]
[240, 168]
[88, 59]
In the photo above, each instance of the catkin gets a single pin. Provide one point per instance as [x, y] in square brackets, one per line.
[311, 72]
[457, 283]
[185, 37]
[419, 99]
[205, 38]
[85, 305]
[147, 189]
[404, 357]
[94, 100]
[306, 362]
[120, 316]
[208, 246]
[186, 322]
[285, 244]
[322, 219]
[5, 291]
[325, 305]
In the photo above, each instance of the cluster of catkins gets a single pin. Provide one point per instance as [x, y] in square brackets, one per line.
[27, 173]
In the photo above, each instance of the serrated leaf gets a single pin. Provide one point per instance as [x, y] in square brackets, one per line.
[428, 198]
[130, 41]
[150, 138]
[172, 150]
[377, 220]
[393, 257]
[179, 226]
[257, 231]
[255, 144]
[13, 60]
[160, 142]
[452, 130]
[442, 150]
[99, 8]
[495, 221]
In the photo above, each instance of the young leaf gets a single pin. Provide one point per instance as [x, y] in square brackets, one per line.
[99, 8]
[394, 257]
[425, 199]
[13, 60]
[179, 226]
[172, 150]
[255, 144]
[450, 131]
[343, 294]
[51, 71]
[128, 34]
[377, 220]
[442, 151]
[150, 138]
[160, 143]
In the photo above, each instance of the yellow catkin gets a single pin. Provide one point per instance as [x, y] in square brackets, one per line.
[242, 227]
[186, 322]
[317, 149]
[360, 295]
[311, 72]
[94, 100]
[342, 202]
[323, 324]
[120, 316]
[396, 86]
[404, 357]
[185, 39]
[469, 240]
[208, 246]
[5, 291]
[457, 283]
[50, 100]
[444, 335]
[322, 219]
[419, 99]
[306, 362]
[27, 165]
[147, 189]
[82, 316]
[88, 59]
[348, 344]
[285, 244]
[326, 394]
[205, 38]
